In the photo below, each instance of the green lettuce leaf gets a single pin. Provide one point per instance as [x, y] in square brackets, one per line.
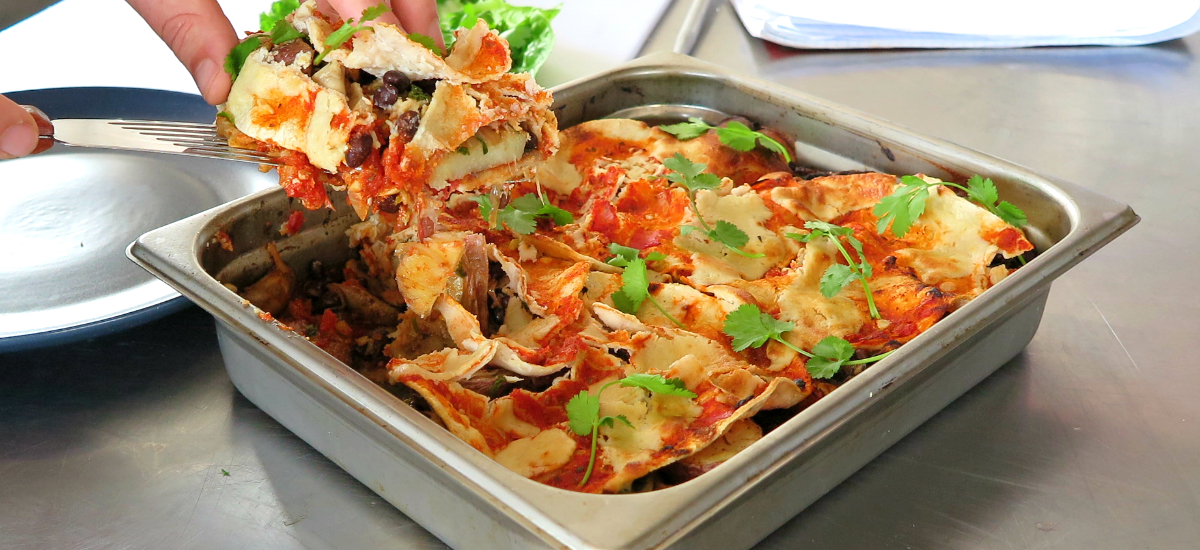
[527, 29]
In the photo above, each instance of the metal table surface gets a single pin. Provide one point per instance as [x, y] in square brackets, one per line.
[1088, 439]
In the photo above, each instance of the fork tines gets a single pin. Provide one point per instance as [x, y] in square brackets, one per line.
[196, 138]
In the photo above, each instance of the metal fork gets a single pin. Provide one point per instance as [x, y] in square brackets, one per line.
[181, 138]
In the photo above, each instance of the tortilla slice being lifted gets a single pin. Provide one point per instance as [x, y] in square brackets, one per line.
[370, 110]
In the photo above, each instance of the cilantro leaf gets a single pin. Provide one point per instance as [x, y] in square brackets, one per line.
[372, 13]
[657, 384]
[278, 10]
[520, 221]
[623, 255]
[1010, 214]
[829, 356]
[624, 303]
[528, 202]
[635, 284]
[738, 136]
[836, 278]
[733, 134]
[347, 30]
[538, 206]
[417, 94]
[983, 191]
[729, 234]
[428, 43]
[284, 32]
[224, 472]
[751, 328]
[635, 281]
[238, 55]
[556, 214]
[691, 129]
[903, 206]
[485, 207]
[691, 176]
[583, 409]
[608, 421]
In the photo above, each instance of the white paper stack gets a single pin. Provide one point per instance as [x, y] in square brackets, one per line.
[858, 24]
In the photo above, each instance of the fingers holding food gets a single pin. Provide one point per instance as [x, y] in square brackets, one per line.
[199, 34]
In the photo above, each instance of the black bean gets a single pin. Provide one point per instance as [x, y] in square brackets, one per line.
[397, 80]
[358, 149]
[387, 204]
[406, 125]
[286, 53]
[385, 97]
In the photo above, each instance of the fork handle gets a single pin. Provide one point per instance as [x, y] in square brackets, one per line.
[44, 126]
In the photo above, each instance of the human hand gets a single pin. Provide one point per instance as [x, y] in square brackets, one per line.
[19, 128]
[200, 35]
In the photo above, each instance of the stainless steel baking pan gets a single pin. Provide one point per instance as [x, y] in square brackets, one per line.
[471, 502]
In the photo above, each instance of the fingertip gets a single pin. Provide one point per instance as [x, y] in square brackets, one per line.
[212, 80]
[18, 140]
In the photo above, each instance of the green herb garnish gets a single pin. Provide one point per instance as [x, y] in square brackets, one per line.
[527, 29]
[463, 150]
[277, 12]
[983, 191]
[635, 285]
[238, 55]
[691, 176]
[907, 203]
[583, 410]
[347, 30]
[415, 93]
[224, 472]
[424, 41]
[751, 328]
[521, 214]
[839, 275]
[734, 134]
[284, 32]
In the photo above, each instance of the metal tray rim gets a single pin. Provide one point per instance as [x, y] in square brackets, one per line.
[1091, 216]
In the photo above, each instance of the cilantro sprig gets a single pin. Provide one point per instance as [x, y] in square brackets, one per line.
[238, 55]
[283, 31]
[838, 276]
[692, 178]
[276, 13]
[347, 30]
[521, 214]
[273, 25]
[635, 284]
[734, 134]
[751, 328]
[907, 203]
[583, 410]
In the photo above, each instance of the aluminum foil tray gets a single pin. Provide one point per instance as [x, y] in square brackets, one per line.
[469, 501]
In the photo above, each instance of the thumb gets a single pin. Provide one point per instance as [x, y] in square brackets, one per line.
[199, 34]
[18, 130]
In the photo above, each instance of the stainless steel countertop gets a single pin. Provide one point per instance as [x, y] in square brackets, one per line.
[1090, 439]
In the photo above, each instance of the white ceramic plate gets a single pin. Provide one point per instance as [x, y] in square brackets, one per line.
[68, 214]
